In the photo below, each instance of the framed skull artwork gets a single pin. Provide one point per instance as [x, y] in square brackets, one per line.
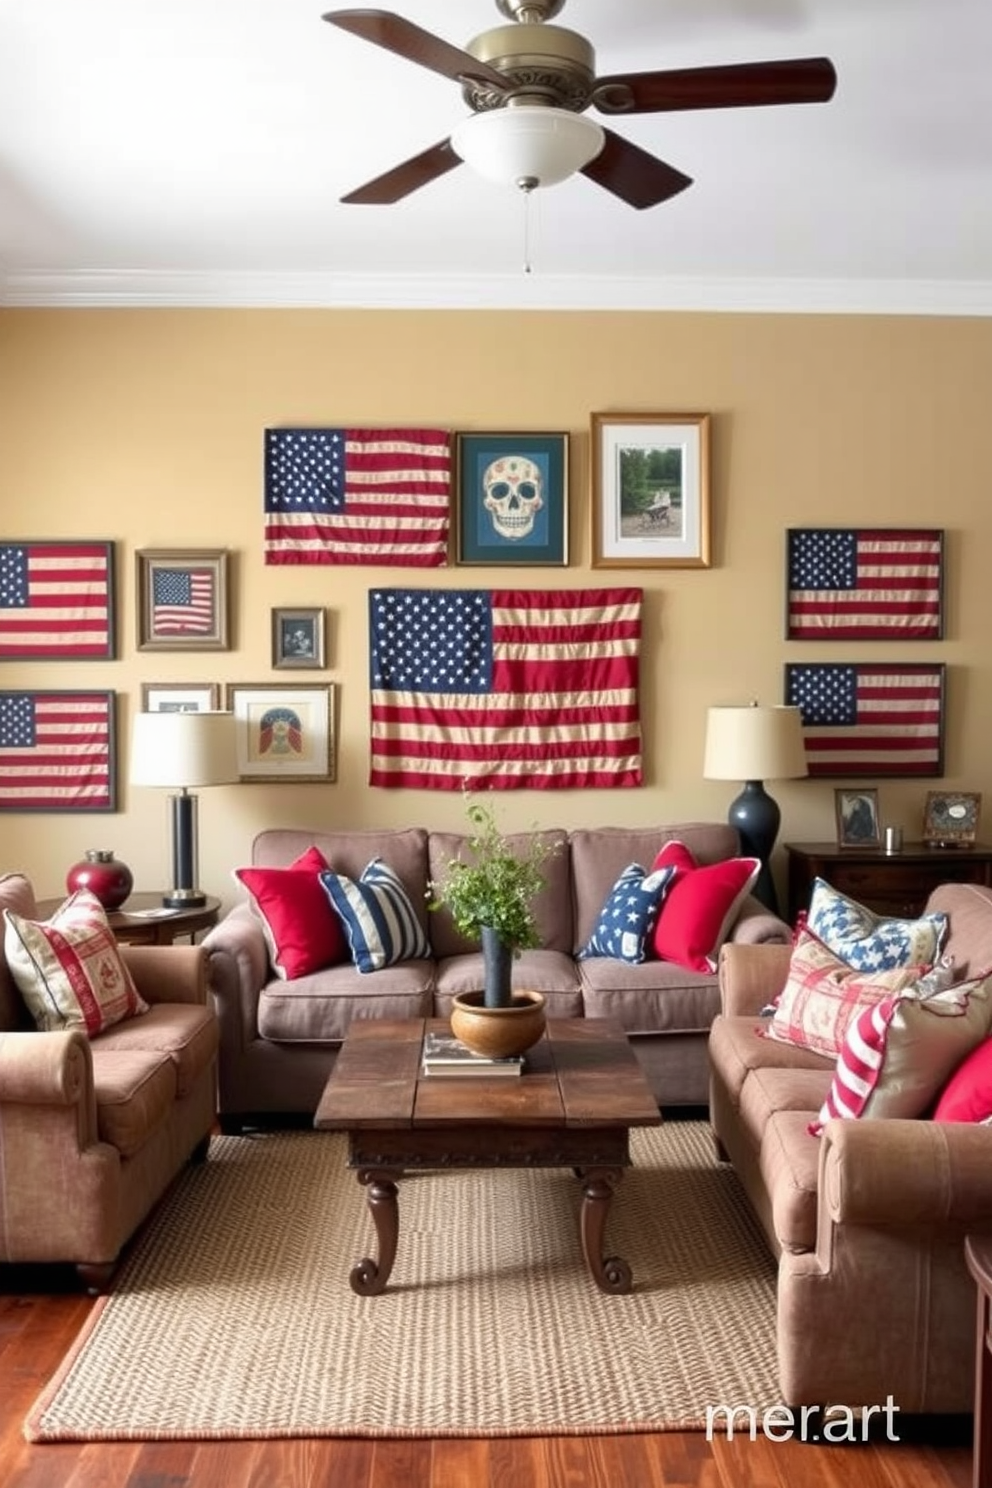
[511, 499]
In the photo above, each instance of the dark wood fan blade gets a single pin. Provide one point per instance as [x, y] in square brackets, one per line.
[640, 179]
[385, 29]
[406, 178]
[747, 85]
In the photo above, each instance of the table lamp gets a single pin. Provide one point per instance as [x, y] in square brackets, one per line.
[755, 744]
[183, 750]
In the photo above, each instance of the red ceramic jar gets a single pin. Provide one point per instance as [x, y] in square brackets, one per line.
[104, 875]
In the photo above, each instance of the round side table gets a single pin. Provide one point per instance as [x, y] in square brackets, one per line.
[144, 920]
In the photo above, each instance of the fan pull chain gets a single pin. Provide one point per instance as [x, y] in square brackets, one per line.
[527, 191]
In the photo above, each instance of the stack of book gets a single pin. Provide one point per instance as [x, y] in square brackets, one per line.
[446, 1055]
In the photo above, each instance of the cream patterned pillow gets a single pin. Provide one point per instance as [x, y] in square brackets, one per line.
[68, 968]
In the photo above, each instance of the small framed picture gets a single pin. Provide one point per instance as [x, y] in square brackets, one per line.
[178, 697]
[650, 490]
[857, 818]
[511, 499]
[182, 600]
[950, 818]
[284, 733]
[297, 638]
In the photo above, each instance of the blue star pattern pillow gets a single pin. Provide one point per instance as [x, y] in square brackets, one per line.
[629, 915]
[866, 940]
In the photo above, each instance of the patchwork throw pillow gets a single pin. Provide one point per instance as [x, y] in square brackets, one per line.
[899, 1053]
[869, 941]
[629, 915]
[823, 995]
[301, 930]
[380, 922]
[700, 906]
[68, 968]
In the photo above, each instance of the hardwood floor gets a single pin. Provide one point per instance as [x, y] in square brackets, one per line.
[38, 1323]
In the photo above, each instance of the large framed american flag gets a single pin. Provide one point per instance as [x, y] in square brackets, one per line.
[56, 601]
[57, 751]
[869, 719]
[865, 584]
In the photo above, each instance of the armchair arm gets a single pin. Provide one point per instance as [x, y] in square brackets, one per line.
[238, 970]
[757, 925]
[173, 973]
[751, 975]
[44, 1069]
[906, 1173]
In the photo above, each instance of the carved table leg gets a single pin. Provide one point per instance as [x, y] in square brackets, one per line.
[369, 1277]
[611, 1274]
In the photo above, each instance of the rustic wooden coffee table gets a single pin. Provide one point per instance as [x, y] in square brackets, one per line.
[581, 1091]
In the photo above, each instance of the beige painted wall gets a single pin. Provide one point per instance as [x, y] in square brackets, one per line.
[146, 427]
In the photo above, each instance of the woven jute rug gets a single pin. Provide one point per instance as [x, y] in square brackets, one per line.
[233, 1316]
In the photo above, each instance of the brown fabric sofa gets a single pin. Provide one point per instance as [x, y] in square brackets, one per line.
[279, 1038]
[868, 1221]
[93, 1130]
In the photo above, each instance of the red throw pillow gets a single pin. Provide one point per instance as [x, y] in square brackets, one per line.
[967, 1096]
[301, 929]
[700, 907]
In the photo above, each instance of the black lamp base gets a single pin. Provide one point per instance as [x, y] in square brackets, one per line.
[184, 899]
[757, 818]
[183, 894]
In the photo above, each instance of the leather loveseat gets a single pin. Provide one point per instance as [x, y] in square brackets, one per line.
[279, 1037]
[868, 1219]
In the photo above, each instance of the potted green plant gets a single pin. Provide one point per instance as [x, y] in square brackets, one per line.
[490, 895]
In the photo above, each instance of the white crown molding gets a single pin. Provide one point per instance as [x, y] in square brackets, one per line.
[149, 289]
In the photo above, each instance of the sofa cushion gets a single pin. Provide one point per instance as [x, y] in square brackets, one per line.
[823, 995]
[629, 915]
[302, 930]
[350, 851]
[737, 1045]
[537, 970]
[969, 910]
[319, 1009]
[380, 922]
[552, 906]
[700, 906]
[899, 1054]
[653, 997]
[187, 1034]
[68, 968]
[135, 1093]
[869, 941]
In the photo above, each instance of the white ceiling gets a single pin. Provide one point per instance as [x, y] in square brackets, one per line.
[193, 151]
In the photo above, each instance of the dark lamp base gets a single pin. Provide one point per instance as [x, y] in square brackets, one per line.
[184, 899]
[756, 817]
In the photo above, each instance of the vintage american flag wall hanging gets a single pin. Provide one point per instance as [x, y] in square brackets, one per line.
[865, 584]
[373, 496]
[57, 751]
[870, 719]
[505, 688]
[56, 600]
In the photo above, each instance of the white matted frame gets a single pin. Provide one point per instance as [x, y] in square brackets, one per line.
[180, 697]
[297, 639]
[284, 733]
[650, 490]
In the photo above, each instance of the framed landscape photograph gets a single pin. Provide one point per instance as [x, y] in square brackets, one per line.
[284, 733]
[950, 818]
[511, 499]
[178, 697]
[650, 490]
[57, 601]
[182, 599]
[297, 638]
[857, 818]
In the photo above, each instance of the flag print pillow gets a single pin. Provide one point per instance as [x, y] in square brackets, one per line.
[378, 917]
[899, 1053]
[869, 941]
[629, 915]
[68, 968]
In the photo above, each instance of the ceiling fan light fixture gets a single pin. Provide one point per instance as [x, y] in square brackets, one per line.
[528, 145]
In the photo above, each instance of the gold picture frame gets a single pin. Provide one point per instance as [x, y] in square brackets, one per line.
[650, 490]
[950, 818]
[284, 733]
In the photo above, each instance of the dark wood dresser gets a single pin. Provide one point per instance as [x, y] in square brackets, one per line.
[890, 883]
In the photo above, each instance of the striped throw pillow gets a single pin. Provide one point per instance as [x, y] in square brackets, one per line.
[378, 918]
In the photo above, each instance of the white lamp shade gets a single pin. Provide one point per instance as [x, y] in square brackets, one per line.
[527, 145]
[183, 749]
[754, 744]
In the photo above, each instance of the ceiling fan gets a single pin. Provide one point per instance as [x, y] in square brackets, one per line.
[537, 80]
